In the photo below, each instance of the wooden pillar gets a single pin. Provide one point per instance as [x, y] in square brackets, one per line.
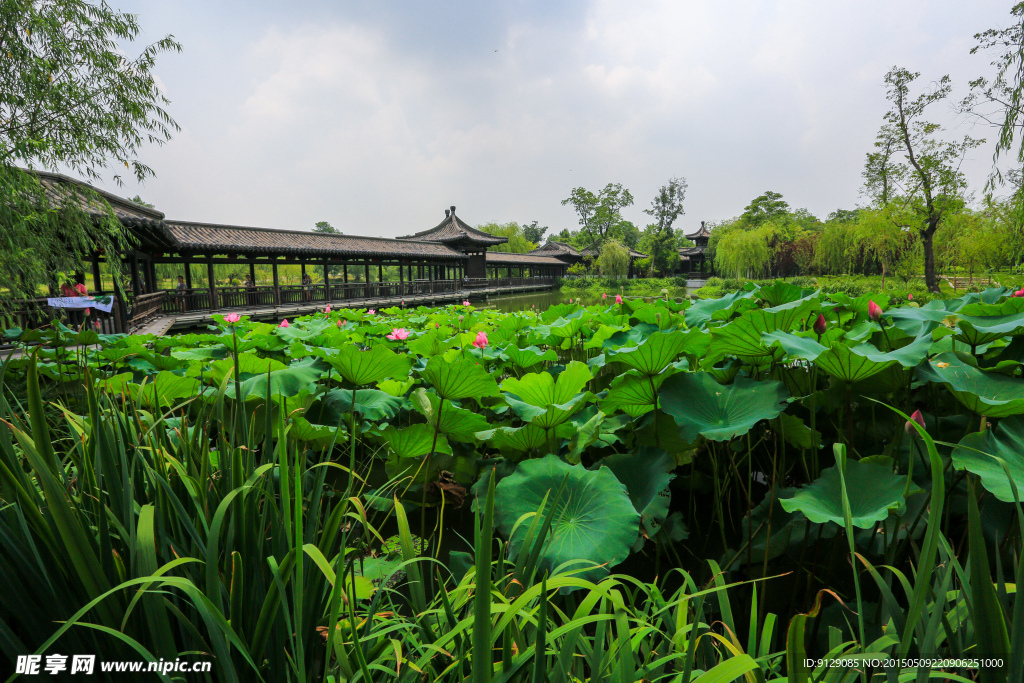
[188, 275]
[97, 278]
[134, 265]
[252, 273]
[327, 282]
[151, 270]
[380, 272]
[212, 283]
[366, 270]
[401, 278]
[344, 272]
[277, 286]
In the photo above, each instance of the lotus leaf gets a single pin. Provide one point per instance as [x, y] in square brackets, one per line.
[460, 378]
[457, 423]
[1005, 441]
[985, 393]
[414, 441]
[700, 405]
[530, 356]
[873, 491]
[653, 354]
[594, 520]
[360, 367]
[372, 404]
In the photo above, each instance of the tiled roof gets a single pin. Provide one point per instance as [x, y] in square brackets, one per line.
[454, 229]
[502, 257]
[591, 252]
[703, 232]
[691, 251]
[553, 248]
[60, 189]
[210, 238]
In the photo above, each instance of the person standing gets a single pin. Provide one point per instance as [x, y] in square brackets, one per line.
[307, 285]
[180, 290]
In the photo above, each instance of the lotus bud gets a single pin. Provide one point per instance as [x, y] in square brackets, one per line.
[604, 295]
[341, 323]
[874, 311]
[618, 298]
[1019, 293]
[820, 325]
[285, 323]
[910, 297]
[915, 417]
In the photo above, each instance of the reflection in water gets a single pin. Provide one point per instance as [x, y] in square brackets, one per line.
[540, 301]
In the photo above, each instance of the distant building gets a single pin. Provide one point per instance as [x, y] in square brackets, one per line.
[693, 260]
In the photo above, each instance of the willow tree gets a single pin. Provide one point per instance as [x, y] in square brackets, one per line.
[613, 261]
[744, 253]
[69, 99]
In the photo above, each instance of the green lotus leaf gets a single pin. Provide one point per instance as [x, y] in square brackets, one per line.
[430, 344]
[851, 365]
[773, 531]
[570, 326]
[530, 356]
[873, 491]
[372, 404]
[594, 520]
[633, 393]
[976, 331]
[795, 346]
[918, 321]
[1005, 441]
[200, 353]
[909, 355]
[541, 389]
[646, 475]
[248, 364]
[707, 309]
[168, 387]
[395, 387]
[653, 354]
[742, 338]
[304, 331]
[529, 437]
[602, 334]
[321, 435]
[457, 423]
[414, 441]
[700, 405]
[797, 433]
[551, 416]
[360, 367]
[460, 378]
[631, 337]
[289, 382]
[118, 384]
[985, 393]
[583, 437]
[780, 292]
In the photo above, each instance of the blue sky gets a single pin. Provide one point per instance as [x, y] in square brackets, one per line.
[376, 116]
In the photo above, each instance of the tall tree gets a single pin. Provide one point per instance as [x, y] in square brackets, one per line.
[935, 184]
[599, 214]
[69, 99]
[666, 207]
[769, 206]
[517, 242]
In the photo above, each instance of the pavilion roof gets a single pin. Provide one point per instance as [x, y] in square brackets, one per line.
[527, 259]
[553, 248]
[691, 251]
[703, 232]
[213, 238]
[455, 230]
[144, 223]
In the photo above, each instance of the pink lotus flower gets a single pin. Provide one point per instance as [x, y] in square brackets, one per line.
[910, 297]
[916, 417]
[603, 295]
[437, 326]
[327, 311]
[341, 323]
[1019, 293]
[96, 324]
[874, 311]
[371, 311]
[465, 303]
[285, 323]
[820, 325]
[232, 318]
[481, 340]
[398, 334]
[618, 298]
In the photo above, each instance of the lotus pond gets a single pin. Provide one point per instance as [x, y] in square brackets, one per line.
[658, 490]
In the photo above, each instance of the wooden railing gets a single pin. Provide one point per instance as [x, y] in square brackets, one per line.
[144, 308]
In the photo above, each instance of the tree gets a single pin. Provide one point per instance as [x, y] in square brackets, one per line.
[517, 242]
[534, 232]
[141, 202]
[600, 214]
[325, 227]
[1000, 101]
[666, 207]
[744, 253]
[69, 99]
[613, 261]
[768, 206]
[934, 181]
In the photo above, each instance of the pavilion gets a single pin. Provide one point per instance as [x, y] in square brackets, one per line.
[693, 260]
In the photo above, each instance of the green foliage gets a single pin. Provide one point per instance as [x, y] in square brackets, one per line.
[518, 242]
[613, 261]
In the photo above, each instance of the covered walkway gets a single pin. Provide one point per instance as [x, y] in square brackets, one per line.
[448, 262]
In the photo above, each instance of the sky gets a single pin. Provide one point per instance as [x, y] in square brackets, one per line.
[377, 115]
